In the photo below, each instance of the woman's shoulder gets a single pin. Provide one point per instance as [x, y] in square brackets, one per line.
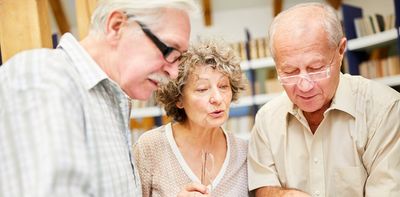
[237, 141]
[152, 137]
[238, 145]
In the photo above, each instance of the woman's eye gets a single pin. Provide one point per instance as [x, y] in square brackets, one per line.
[224, 87]
[201, 89]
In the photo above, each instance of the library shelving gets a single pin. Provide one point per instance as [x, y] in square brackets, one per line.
[360, 49]
[372, 41]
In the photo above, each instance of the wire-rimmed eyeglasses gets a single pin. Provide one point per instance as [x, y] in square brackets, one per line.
[170, 54]
[323, 73]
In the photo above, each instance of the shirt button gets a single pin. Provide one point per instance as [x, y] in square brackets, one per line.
[316, 160]
[317, 193]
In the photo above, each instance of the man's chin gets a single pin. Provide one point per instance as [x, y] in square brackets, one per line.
[142, 96]
[309, 109]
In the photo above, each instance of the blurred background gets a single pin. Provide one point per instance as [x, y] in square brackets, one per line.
[372, 29]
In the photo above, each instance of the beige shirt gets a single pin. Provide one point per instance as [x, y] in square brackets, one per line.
[164, 172]
[354, 152]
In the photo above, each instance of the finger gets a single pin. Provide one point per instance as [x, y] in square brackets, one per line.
[191, 194]
[197, 194]
[196, 187]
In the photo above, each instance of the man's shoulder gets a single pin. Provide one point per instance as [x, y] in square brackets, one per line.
[152, 137]
[38, 67]
[372, 90]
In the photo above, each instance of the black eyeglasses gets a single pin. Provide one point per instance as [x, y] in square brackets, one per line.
[170, 54]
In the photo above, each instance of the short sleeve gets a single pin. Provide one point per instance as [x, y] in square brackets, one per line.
[261, 165]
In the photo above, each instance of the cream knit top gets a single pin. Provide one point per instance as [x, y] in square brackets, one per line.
[164, 172]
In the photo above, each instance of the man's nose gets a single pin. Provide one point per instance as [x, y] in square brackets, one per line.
[305, 84]
[171, 70]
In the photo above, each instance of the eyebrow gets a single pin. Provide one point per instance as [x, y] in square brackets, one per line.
[219, 79]
[289, 65]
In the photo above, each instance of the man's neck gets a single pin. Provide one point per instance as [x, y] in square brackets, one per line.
[315, 118]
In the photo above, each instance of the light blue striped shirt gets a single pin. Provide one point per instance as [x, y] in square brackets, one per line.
[64, 127]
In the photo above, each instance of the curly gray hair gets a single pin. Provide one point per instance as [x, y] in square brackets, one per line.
[209, 52]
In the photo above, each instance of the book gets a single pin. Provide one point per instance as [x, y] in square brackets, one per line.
[381, 22]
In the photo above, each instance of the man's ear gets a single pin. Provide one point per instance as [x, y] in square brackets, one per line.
[114, 25]
[342, 46]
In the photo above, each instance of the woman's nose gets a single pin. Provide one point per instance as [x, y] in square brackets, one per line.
[215, 97]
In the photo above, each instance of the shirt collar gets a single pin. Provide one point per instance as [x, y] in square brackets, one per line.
[343, 99]
[90, 71]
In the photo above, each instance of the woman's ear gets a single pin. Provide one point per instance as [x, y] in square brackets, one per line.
[179, 104]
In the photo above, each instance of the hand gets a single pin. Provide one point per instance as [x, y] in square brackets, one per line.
[194, 190]
[296, 193]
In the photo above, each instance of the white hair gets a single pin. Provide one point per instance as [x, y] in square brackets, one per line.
[146, 11]
[329, 20]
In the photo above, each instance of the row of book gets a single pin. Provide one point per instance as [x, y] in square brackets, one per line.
[257, 48]
[373, 24]
[240, 126]
[377, 68]
[266, 81]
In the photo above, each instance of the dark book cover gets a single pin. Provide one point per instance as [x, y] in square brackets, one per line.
[381, 22]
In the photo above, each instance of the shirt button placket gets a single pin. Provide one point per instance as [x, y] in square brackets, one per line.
[317, 173]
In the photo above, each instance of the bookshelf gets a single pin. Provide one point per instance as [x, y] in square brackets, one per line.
[372, 41]
[359, 49]
[266, 62]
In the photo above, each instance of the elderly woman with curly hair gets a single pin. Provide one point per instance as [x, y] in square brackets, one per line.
[194, 155]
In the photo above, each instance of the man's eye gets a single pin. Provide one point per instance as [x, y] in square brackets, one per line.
[289, 73]
[316, 69]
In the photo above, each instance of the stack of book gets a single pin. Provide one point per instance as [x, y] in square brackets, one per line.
[373, 24]
[376, 68]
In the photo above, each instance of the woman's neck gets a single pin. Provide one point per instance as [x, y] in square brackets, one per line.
[196, 137]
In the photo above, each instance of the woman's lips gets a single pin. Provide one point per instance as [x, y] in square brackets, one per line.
[217, 113]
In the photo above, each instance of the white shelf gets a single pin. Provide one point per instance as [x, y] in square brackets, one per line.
[258, 63]
[257, 99]
[390, 81]
[371, 41]
[147, 112]
[247, 101]
[242, 102]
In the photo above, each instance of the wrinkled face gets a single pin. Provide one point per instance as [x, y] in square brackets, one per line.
[140, 65]
[308, 54]
[206, 97]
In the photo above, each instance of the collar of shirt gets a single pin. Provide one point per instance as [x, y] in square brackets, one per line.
[343, 100]
[90, 71]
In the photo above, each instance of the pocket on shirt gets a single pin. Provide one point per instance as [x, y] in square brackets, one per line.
[350, 181]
